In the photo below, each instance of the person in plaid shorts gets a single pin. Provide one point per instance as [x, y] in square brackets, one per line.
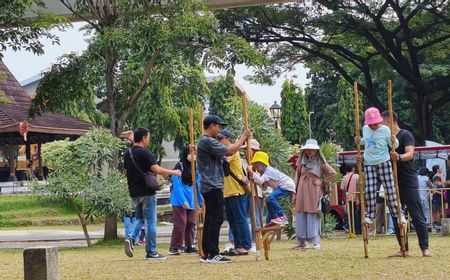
[377, 139]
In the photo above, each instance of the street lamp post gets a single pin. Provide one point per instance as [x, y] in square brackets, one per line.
[309, 124]
[275, 111]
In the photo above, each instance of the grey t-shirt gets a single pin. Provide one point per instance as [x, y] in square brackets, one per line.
[210, 154]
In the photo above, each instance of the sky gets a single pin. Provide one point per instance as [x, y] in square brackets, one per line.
[24, 65]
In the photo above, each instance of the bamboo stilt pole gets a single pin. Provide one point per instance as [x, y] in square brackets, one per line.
[256, 230]
[364, 226]
[353, 217]
[401, 227]
[198, 220]
[386, 218]
[202, 131]
[351, 222]
[201, 120]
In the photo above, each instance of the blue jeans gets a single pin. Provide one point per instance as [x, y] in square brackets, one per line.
[145, 212]
[127, 224]
[248, 209]
[237, 218]
[274, 209]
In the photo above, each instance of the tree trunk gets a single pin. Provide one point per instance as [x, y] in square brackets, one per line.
[110, 61]
[85, 231]
[110, 97]
[110, 228]
[424, 121]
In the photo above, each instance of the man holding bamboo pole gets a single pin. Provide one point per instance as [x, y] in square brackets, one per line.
[210, 154]
[408, 185]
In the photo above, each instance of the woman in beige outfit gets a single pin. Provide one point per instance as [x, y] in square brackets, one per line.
[312, 172]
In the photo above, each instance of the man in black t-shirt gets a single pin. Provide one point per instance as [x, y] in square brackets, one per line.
[408, 185]
[143, 199]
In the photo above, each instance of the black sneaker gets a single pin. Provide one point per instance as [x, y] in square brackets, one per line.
[219, 259]
[154, 256]
[174, 251]
[128, 245]
[191, 250]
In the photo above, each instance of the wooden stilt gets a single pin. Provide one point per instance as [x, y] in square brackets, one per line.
[255, 228]
[364, 226]
[401, 227]
[197, 210]
[202, 131]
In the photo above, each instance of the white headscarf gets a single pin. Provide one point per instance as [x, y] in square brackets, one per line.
[312, 165]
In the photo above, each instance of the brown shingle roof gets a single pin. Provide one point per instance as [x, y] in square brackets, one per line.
[50, 125]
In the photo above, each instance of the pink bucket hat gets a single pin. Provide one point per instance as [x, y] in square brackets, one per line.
[372, 116]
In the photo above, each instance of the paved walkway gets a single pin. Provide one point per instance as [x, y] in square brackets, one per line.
[13, 239]
[16, 239]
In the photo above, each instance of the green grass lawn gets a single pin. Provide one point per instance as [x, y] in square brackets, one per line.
[29, 212]
[26, 210]
[338, 259]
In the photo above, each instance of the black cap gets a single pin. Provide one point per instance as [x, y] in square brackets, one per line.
[212, 119]
[223, 134]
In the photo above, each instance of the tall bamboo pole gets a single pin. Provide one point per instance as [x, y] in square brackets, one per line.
[256, 231]
[364, 226]
[353, 217]
[401, 226]
[202, 130]
[198, 220]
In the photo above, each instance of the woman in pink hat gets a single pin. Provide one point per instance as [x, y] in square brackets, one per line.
[377, 139]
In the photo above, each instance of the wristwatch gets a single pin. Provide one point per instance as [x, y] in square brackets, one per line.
[399, 157]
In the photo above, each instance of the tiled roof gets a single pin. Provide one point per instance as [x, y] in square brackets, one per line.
[16, 111]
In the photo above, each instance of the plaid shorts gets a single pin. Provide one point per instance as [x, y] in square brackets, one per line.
[383, 173]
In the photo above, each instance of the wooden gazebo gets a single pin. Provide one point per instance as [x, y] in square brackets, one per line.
[16, 128]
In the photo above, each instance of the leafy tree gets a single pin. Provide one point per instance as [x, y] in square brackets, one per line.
[322, 100]
[74, 76]
[187, 89]
[3, 98]
[368, 42]
[344, 121]
[134, 61]
[225, 103]
[138, 40]
[17, 31]
[294, 118]
[81, 176]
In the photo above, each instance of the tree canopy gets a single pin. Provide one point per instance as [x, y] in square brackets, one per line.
[225, 102]
[81, 175]
[21, 33]
[145, 62]
[294, 117]
[370, 42]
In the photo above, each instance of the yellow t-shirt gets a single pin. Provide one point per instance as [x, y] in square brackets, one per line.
[231, 187]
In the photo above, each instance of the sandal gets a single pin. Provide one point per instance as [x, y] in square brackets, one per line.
[426, 253]
[399, 254]
[226, 252]
[235, 253]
